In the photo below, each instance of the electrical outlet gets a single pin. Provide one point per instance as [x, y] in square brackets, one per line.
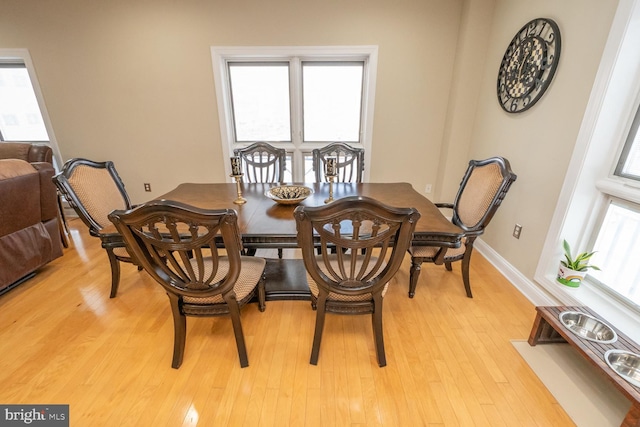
[427, 189]
[147, 186]
[517, 230]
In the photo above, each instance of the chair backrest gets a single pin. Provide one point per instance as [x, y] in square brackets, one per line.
[369, 240]
[262, 162]
[481, 192]
[350, 162]
[92, 189]
[178, 245]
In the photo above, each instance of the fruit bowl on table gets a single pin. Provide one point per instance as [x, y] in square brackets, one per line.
[289, 194]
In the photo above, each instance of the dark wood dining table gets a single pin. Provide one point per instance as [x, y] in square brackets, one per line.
[264, 223]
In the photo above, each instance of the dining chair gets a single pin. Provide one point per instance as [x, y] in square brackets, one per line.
[350, 162]
[482, 190]
[371, 240]
[93, 189]
[195, 255]
[262, 162]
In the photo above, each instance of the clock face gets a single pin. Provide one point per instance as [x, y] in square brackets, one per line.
[528, 65]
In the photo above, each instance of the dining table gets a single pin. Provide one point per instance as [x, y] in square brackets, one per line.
[265, 223]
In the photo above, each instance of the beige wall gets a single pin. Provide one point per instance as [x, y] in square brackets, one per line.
[540, 141]
[132, 81]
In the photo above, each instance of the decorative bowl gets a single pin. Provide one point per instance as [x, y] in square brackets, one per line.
[289, 194]
[588, 327]
[624, 363]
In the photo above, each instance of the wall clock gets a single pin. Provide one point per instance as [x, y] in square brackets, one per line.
[528, 65]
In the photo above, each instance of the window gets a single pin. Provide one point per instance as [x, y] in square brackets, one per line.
[20, 117]
[295, 98]
[23, 115]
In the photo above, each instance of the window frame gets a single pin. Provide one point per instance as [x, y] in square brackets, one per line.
[22, 56]
[221, 55]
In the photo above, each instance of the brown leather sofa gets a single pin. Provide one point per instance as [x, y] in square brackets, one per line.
[29, 218]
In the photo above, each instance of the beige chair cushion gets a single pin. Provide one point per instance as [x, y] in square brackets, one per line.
[250, 275]
[313, 286]
[431, 251]
[121, 252]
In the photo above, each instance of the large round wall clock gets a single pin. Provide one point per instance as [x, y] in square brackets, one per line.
[528, 65]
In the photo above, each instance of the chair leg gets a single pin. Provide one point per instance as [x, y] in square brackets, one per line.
[317, 336]
[414, 274]
[465, 271]
[234, 313]
[448, 266]
[378, 337]
[179, 331]
[262, 293]
[115, 272]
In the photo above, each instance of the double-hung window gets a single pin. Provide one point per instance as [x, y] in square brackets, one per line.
[617, 237]
[296, 98]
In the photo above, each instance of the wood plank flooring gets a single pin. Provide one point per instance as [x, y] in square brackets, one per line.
[449, 358]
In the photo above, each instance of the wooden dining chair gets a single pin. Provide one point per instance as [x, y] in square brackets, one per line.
[482, 190]
[195, 255]
[93, 189]
[350, 162]
[371, 239]
[262, 162]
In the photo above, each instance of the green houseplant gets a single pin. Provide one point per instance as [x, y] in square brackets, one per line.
[572, 270]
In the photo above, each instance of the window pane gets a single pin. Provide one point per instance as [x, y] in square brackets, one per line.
[260, 97]
[309, 174]
[629, 163]
[332, 96]
[618, 252]
[20, 118]
[632, 162]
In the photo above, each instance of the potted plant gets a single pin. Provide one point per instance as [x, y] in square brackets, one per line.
[572, 270]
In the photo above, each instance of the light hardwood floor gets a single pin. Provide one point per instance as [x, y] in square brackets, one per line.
[450, 360]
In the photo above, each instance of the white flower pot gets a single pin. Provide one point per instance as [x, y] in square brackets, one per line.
[569, 277]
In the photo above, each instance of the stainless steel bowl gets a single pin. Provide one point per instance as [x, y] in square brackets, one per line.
[289, 194]
[588, 327]
[625, 364]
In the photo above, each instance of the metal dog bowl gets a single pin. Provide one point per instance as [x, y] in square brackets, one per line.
[625, 364]
[588, 327]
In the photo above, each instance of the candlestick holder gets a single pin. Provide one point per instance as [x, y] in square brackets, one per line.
[240, 200]
[330, 178]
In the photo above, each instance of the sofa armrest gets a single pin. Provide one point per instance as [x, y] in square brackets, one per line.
[40, 153]
[26, 151]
